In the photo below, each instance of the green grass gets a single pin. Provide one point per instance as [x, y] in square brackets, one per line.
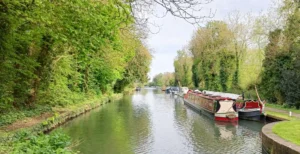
[288, 130]
[276, 106]
[280, 115]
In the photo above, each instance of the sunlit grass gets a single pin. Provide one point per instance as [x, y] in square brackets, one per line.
[281, 115]
[288, 130]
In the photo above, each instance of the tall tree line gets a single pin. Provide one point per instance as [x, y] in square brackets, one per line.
[163, 79]
[62, 52]
[183, 68]
[235, 54]
[281, 75]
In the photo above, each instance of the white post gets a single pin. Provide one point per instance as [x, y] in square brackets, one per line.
[290, 113]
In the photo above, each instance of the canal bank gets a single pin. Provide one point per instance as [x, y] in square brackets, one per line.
[61, 115]
[274, 144]
[277, 140]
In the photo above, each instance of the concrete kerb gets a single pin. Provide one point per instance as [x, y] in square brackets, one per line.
[273, 144]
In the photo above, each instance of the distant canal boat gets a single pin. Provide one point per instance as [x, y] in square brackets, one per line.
[174, 90]
[222, 108]
[138, 89]
[168, 90]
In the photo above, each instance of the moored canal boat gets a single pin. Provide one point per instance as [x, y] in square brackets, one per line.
[168, 90]
[222, 108]
[184, 90]
[247, 109]
[138, 89]
[250, 110]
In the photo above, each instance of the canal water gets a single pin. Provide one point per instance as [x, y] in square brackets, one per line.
[151, 121]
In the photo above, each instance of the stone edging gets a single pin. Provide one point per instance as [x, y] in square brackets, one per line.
[273, 144]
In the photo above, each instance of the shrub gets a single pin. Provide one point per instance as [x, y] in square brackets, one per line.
[56, 142]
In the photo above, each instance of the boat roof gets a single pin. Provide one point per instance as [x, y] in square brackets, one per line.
[221, 94]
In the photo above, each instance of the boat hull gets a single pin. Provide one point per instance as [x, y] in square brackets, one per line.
[250, 110]
[215, 116]
[225, 118]
[250, 115]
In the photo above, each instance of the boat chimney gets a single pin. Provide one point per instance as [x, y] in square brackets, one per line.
[243, 95]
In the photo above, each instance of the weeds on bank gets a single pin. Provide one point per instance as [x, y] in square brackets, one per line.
[25, 142]
[14, 115]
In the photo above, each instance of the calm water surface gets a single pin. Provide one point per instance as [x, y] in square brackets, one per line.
[153, 122]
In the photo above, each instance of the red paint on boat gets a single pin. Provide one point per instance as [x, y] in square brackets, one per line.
[222, 108]
[225, 119]
[251, 104]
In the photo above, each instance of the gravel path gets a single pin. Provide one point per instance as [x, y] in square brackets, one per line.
[282, 111]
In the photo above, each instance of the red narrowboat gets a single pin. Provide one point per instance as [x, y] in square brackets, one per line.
[222, 108]
[250, 110]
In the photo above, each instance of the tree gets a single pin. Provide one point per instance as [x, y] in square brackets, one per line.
[183, 68]
[63, 52]
[213, 58]
[143, 10]
[164, 79]
[137, 68]
[241, 28]
[281, 65]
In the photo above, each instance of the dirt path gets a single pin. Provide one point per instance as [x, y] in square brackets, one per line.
[282, 111]
[26, 123]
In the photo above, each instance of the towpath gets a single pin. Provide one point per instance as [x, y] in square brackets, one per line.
[297, 115]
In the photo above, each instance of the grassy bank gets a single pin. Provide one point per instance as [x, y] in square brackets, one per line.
[27, 135]
[280, 115]
[288, 130]
[276, 106]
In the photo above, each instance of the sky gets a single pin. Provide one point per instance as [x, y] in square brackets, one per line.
[175, 33]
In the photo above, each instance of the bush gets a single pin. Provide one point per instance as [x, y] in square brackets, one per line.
[56, 142]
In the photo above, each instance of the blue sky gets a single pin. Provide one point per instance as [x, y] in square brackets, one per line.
[176, 33]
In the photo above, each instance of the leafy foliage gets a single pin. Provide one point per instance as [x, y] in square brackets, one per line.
[280, 78]
[214, 58]
[163, 80]
[237, 54]
[137, 68]
[54, 143]
[183, 68]
[62, 52]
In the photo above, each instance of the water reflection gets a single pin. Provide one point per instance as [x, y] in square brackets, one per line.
[209, 136]
[151, 121]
